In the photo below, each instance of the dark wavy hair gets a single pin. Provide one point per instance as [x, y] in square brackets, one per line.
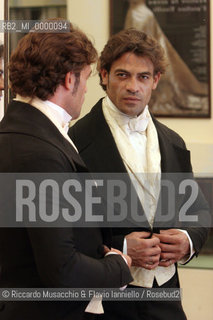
[137, 42]
[41, 60]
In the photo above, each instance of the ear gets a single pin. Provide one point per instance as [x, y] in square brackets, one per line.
[104, 76]
[156, 80]
[69, 80]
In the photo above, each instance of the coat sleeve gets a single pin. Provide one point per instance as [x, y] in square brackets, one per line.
[60, 260]
[198, 229]
[61, 264]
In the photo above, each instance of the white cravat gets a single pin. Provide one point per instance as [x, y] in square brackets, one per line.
[139, 124]
[57, 115]
[140, 153]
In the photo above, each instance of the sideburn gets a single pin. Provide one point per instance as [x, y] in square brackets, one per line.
[77, 81]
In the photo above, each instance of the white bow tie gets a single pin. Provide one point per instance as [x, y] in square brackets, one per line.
[138, 124]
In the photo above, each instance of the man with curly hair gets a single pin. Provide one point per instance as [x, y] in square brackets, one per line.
[119, 135]
[48, 74]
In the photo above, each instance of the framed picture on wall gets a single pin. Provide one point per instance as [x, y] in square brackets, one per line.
[182, 28]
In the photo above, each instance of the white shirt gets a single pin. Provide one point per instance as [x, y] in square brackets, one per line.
[56, 114]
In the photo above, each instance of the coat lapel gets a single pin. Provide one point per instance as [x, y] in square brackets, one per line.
[174, 158]
[108, 160]
[175, 163]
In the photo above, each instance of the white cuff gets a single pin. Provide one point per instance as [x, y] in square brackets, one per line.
[192, 251]
[125, 246]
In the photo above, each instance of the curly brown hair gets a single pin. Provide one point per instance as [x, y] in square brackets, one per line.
[131, 40]
[41, 61]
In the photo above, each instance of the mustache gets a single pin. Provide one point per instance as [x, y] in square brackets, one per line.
[133, 94]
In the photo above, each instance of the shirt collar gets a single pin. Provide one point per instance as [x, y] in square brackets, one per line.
[123, 119]
[56, 113]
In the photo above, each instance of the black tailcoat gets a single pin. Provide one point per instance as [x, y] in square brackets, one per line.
[97, 147]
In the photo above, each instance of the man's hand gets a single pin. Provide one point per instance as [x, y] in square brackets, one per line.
[174, 246]
[126, 257]
[144, 252]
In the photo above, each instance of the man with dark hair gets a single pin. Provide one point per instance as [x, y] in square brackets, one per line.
[120, 135]
[1, 70]
[48, 74]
